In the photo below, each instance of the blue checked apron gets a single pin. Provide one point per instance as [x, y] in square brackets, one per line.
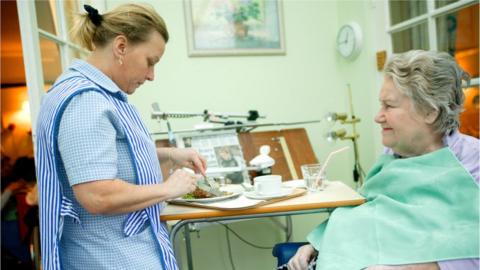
[54, 207]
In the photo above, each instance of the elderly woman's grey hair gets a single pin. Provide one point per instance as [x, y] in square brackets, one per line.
[433, 80]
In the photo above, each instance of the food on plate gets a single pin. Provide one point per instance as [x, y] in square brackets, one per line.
[199, 193]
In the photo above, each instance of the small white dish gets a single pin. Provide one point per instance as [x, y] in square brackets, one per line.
[284, 192]
[299, 183]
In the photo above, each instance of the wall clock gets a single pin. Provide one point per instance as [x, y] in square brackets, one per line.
[349, 40]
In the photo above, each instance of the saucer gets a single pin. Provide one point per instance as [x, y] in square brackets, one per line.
[284, 192]
[298, 183]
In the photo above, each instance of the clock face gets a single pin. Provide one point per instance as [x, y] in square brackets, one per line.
[346, 41]
[349, 40]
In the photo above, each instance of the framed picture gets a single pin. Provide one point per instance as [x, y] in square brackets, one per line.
[234, 27]
[222, 151]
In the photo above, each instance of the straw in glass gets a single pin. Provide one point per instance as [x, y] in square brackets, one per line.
[320, 173]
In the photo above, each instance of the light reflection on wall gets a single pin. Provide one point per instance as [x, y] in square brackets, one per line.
[469, 119]
[467, 55]
[16, 123]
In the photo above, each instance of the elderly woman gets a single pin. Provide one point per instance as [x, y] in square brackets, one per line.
[100, 184]
[422, 203]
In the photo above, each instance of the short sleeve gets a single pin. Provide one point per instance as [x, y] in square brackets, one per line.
[87, 139]
[465, 264]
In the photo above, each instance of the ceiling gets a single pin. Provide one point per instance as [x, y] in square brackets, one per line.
[12, 67]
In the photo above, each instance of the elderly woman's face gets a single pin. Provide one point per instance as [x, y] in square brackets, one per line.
[139, 62]
[403, 129]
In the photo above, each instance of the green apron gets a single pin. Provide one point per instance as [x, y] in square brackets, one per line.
[419, 209]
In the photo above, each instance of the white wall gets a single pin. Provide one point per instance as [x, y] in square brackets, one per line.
[307, 82]
[304, 84]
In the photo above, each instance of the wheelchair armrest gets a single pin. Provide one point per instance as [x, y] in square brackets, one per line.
[284, 251]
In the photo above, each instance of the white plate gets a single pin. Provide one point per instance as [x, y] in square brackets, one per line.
[253, 195]
[212, 199]
[299, 183]
[235, 188]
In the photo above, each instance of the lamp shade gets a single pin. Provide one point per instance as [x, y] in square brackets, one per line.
[334, 135]
[333, 116]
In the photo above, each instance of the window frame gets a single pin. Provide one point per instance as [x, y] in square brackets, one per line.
[430, 17]
[30, 35]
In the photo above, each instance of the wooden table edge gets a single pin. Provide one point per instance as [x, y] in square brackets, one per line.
[260, 210]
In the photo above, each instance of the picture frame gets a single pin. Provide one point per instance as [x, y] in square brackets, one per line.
[222, 151]
[234, 27]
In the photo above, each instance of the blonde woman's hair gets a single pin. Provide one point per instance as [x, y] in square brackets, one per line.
[433, 80]
[134, 21]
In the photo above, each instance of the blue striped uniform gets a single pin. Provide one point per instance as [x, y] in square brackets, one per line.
[57, 203]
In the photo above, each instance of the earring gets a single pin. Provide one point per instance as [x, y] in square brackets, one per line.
[120, 61]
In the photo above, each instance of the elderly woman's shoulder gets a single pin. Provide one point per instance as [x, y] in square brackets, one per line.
[467, 149]
[458, 139]
[469, 138]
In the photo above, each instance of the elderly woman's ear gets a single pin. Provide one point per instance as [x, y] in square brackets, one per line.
[431, 117]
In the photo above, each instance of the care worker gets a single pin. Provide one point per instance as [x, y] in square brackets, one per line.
[100, 182]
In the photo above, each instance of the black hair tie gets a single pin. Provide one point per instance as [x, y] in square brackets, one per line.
[93, 14]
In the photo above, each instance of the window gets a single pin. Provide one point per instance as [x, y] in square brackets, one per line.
[404, 10]
[443, 25]
[409, 38]
[54, 20]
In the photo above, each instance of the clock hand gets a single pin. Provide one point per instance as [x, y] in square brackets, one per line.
[346, 38]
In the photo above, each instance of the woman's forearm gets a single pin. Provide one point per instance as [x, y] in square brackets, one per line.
[117, 196]
[164, 154]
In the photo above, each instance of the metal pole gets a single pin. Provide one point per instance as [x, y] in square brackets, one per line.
[188, 247]
[357, 169]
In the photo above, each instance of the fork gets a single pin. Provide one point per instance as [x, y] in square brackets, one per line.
[212, 183]
[214, 186]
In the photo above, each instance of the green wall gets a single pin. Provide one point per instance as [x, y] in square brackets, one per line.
[304, 84]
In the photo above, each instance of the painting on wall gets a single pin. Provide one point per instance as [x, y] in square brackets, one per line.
[234, 27]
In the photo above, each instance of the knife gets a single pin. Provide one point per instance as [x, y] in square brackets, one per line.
[210, 187]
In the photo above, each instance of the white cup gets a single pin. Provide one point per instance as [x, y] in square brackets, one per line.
[267, 184]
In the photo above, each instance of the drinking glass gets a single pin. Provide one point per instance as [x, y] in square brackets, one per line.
[310, 175]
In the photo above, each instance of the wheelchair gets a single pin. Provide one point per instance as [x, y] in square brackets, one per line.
[284, 251]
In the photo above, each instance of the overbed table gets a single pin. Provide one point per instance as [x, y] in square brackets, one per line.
[334, 194]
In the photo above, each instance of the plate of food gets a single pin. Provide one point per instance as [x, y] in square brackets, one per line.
[203, 196]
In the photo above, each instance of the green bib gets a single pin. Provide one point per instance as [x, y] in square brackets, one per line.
[419, 209]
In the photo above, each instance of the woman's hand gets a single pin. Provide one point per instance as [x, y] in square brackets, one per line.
[180, 183]
[32, 196]
[301, 259]
[188, 157]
